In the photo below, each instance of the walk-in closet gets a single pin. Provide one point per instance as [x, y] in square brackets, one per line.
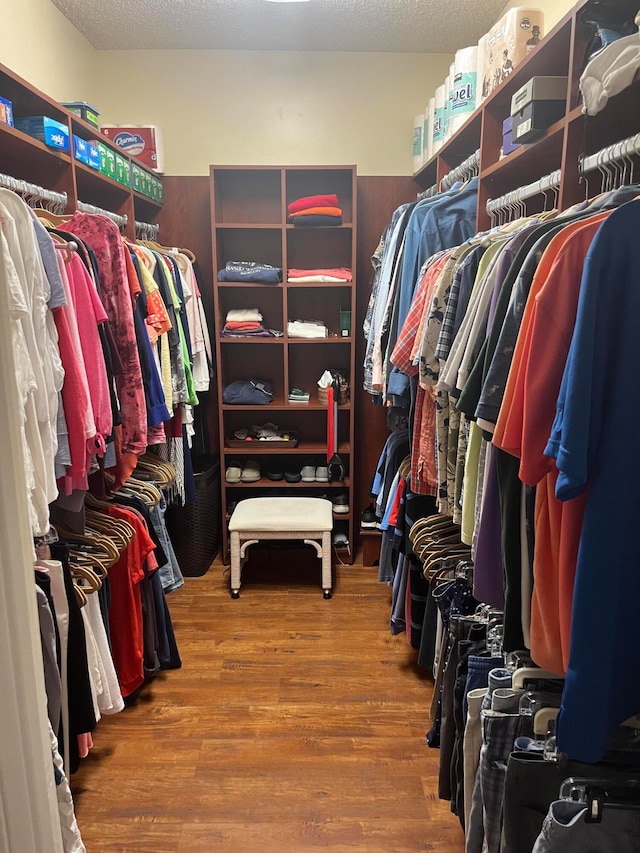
[318, 356]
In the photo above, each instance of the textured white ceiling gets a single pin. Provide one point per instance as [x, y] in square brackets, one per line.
[422, 26]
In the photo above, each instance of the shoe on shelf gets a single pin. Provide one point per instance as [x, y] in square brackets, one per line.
[251, 471]
[340, 503]
[230, 507]
[322, 474]
[292, 475]
[274, 473]
[233, 473]
[308, 474]
[368, 518]
[340, 540]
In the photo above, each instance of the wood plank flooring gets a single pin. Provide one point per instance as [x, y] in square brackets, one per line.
[296, 724]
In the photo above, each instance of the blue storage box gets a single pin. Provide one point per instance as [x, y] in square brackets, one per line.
[47, 130]
[6, 112]
[508, 145]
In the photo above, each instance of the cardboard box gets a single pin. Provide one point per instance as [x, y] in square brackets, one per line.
[52, 133]
[506, 44]
[540, 89]
[535, 118]
[84, 111]
[142, 142]
[508, 145]
[6, 112]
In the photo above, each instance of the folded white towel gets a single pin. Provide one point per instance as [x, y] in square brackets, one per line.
[306, 329]
[244, 315]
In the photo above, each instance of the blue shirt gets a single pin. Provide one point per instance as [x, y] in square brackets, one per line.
[595, 443]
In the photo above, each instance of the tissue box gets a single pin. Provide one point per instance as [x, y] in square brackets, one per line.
[135, 177]
[47, 130]
[84, 111]
[107, 158]
[80, 150]
[123, 171]
[6, 112]
[508, 145]
[505, 45]
[93, 156]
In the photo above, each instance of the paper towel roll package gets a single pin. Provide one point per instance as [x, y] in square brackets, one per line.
[426, 135]
[438, 120]
[463, 92]
[448, 83]
[431, 111]
[418, 125]
[506, 44]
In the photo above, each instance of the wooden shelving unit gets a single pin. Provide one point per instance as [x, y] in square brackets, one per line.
[560, 53]
[28, 159]
[249, 222]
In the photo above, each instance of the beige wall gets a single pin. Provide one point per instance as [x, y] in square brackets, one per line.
[40, 44]
[234, 107]
[553, 9]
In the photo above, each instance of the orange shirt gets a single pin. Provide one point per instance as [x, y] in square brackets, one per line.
[524, 426]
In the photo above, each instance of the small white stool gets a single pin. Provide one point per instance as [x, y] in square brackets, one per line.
[255, 519]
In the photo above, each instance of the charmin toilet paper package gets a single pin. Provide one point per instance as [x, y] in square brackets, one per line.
[506, 44]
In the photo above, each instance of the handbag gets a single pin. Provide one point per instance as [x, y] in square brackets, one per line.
[248, 392]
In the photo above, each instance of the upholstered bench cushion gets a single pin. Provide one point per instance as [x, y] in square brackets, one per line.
[289, 515]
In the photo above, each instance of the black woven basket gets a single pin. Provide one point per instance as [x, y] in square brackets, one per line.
[195, 528]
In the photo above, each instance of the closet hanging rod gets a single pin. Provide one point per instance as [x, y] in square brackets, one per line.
[120, 220]
[146, 230]
[36, 194]
[618, 152]
[467, 169]
[549, 182]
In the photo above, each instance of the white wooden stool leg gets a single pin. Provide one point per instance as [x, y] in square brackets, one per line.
[326, 563]
[236, 564]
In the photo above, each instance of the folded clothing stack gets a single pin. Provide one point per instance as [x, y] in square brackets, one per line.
[250, 271]
[306, 329]
[243, 322]
[316, 210]
[321, 276]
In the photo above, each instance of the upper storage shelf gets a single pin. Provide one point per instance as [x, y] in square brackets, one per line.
[248, 196]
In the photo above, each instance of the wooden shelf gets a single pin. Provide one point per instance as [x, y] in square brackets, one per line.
[304, 448]
[264, 194]
[264, 483]
[86, 176]
[14, 141]
[530, 162]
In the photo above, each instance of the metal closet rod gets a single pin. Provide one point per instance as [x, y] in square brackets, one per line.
[35, 192]
[467, 169]
[120, 220]
[616, 153]
[146, 230]
[549, 182]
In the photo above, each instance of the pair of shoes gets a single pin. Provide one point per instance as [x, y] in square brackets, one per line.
[236, 472]
[368, 518]
[340, 503]
[311, 474]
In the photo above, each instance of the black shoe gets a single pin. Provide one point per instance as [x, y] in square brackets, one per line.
[292, 476]
[340, 503]
[368, 517]
[274, 473]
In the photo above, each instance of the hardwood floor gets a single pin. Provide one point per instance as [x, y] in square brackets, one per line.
[295, 724]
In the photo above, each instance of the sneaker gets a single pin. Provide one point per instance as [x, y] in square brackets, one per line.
[340, 540]
[251, 471]
[233, 474]
[322, 474]
[274, 473]
[368, 517]
[340, 503]
[308, 474]
[291, 475]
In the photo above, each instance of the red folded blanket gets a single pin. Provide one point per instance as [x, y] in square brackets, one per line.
[313, 201]
[242, 326]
